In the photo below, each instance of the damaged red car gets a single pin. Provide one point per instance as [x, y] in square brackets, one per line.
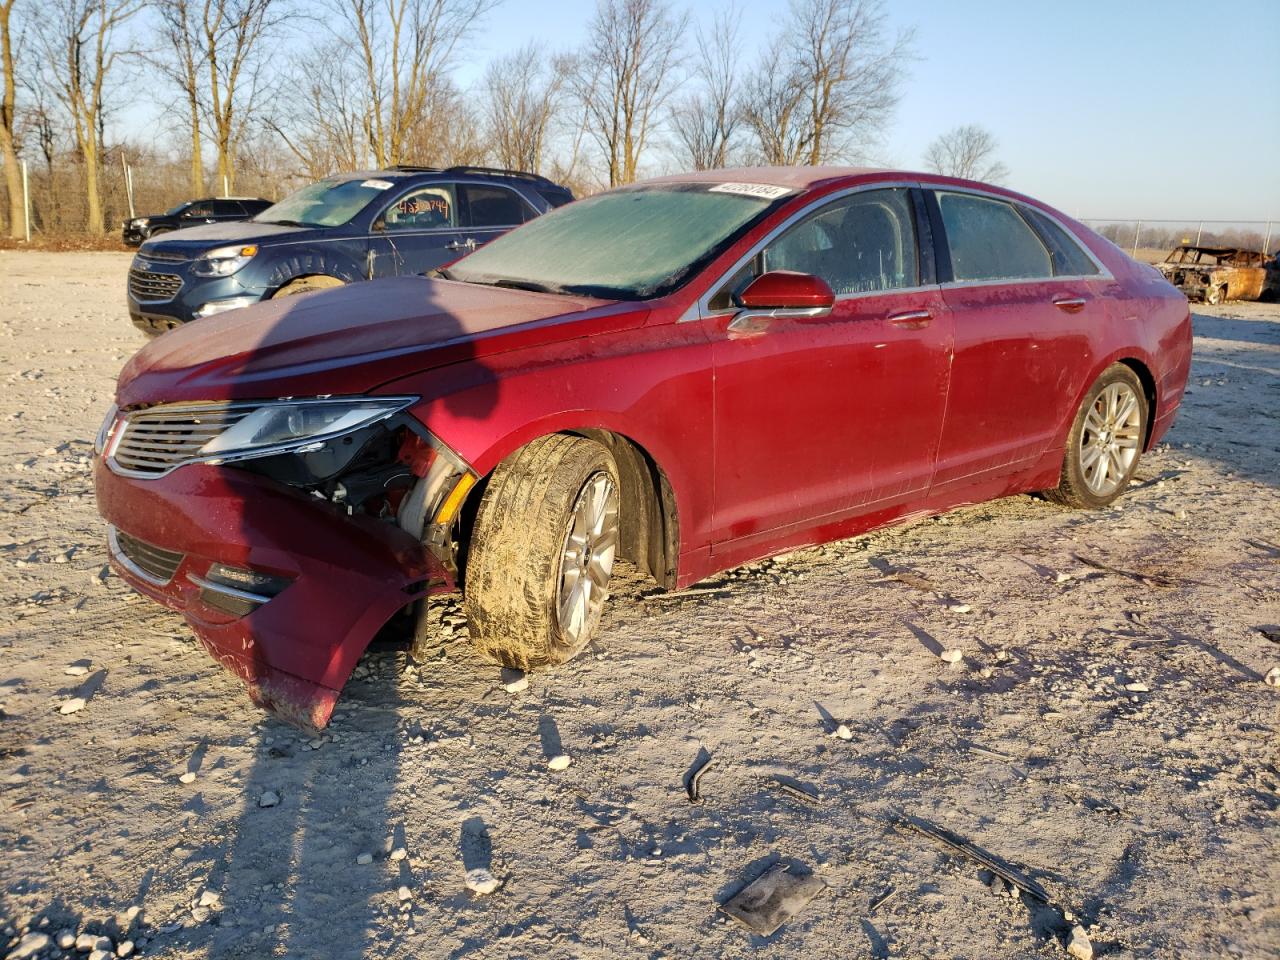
[688, 374]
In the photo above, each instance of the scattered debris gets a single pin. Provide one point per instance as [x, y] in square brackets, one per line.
[30, 945]
[559, 762]
[74, 705]
[1137, 688]
[952, 656]
[1148, 579]
[1271, 632]
[188, 777]
[795, 789]
[1079, 946]
[398, 854]
[481, 881]
[842, 733]
[773, 898]
[269, 799]
[960, 845]
[405, 894]
[883, 899]
[364, 859]
[1272, 679]
[514, 681]
[693, 781]
[959, 607]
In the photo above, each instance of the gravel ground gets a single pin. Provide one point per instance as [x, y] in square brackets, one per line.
[1106, 730]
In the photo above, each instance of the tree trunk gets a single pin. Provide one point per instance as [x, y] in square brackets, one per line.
[197, 160]
[8, 154]
[93, 191]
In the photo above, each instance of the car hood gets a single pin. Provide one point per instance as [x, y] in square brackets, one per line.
[354, 338]
[192, 241]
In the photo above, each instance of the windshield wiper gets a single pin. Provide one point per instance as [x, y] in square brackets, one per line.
[527, 285]
[286, 223]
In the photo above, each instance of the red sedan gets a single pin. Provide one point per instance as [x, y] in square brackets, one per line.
[689, 373]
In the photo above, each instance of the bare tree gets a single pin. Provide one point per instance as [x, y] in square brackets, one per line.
[705, 122]
[829, 85]
[967, 151]
[182, 59]
[81, 50]
[233, 31]
[403, 49]
[623, 77]
[8, 124]
[523, 92]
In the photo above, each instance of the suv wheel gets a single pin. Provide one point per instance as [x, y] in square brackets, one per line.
[1105, 441]
[542, 552]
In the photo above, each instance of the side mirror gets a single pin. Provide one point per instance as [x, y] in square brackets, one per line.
[788, 290]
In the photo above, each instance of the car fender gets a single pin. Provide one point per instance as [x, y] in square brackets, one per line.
[486, 409]
[294, 262]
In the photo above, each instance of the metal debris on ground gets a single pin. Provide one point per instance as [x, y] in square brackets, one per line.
[1152, 579]
[978, 855]
[693, 782]
[773, 898]
[884, 898]
[795, 789]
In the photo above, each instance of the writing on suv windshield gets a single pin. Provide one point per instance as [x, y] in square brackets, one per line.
[325, 204]
[628, 244]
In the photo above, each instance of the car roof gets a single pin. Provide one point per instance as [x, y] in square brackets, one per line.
[793, 177]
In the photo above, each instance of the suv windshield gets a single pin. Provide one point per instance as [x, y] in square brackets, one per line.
[328, 203]
[628, 244]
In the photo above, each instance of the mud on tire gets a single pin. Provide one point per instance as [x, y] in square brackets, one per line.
[517, 544]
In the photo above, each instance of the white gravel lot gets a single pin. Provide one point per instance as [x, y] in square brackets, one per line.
[1150, 812]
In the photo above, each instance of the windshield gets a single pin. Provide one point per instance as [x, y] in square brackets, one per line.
[176, 210]
[628, 244]
[328, 203]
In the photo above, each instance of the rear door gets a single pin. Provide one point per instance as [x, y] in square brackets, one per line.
[490, 210]
[417, 231]
[1024, 300]
[227, 210]
[824, 418]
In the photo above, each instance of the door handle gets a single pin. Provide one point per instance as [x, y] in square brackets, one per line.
[1070, 304]
[467, 244]
[912, 319]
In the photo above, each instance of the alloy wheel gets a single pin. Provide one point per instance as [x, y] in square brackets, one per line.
[587, 559]
[1110, 440]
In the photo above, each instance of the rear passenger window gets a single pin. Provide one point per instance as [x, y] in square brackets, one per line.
[494, 206]
[227, 208]
[1068, 259]
[988, 240]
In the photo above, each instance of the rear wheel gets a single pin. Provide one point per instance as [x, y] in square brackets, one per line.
[306, 285]
[1105, 441]
[542, 551]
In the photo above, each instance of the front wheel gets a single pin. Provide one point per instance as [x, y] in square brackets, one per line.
[306, 285]
[542, 551]
[1105, 441]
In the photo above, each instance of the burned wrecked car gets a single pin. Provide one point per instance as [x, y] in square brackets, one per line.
[688, 374]
[1219, 274]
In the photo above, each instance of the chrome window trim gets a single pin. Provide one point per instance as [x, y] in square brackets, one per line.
[223, 589]
[235, 457]
[700, 308]
[1019, 205]
[118, 554]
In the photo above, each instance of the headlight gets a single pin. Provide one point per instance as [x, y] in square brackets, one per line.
[104, 431]
[141, 222]
[224, 261]
[293, 426]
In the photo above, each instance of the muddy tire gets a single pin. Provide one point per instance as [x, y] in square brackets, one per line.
[541, 552]
[306, 285]
[1105, 443]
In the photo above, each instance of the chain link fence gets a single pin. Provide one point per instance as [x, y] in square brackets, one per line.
[1151, 240]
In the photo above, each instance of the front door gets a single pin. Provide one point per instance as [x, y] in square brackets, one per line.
[826, 418]
[416, 232]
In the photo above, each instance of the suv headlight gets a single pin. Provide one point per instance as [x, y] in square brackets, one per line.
[141, 222]
[293, 426]
[223, 261]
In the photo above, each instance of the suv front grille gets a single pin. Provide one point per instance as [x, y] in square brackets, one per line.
[154, 441]
[147, 560]
[147, 286]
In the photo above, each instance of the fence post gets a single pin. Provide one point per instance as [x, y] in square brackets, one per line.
[26, 201]
[128, 183]
[226, 186]
[1199, 230]
[1266, 244]
[1137, 232]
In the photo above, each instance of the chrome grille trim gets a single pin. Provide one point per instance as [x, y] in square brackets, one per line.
[145, 561]
[151, 442]
[148, 287]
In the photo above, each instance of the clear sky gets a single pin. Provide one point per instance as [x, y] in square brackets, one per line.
[1103, 108]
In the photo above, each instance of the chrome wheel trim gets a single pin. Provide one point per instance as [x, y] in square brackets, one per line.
[1111, 438]
[586, 560]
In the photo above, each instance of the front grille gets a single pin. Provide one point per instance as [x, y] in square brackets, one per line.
[171, 256]
[154, 441]
[145, 285]
[157, 564]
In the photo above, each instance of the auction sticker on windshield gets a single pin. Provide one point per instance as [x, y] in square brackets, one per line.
[376, 184]
[765, 191]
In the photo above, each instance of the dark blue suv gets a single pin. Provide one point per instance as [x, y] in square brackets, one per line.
[345, 228]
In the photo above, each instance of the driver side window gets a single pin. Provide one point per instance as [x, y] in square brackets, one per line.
[426, 208]
[862, 243]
